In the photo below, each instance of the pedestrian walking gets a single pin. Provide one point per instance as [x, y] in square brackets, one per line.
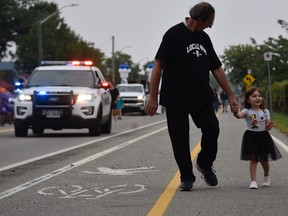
[119, 106]
[257, 143]
[216, 100]
[240, 100]
[224, 99]
[114, 96]
[186, 56]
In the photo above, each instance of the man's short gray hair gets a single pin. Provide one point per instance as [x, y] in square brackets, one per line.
[202, 11]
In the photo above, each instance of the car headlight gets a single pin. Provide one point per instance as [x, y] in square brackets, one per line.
[85, 97]
[25, 97]
[140, 97]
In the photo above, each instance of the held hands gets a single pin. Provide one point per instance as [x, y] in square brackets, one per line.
[234, 106]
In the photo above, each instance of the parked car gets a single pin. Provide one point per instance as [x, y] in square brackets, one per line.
[134, 97]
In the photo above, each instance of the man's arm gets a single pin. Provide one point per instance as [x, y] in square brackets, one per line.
[221, 78]
[152, 103]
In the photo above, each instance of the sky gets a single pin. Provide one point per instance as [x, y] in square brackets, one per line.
[138, 25]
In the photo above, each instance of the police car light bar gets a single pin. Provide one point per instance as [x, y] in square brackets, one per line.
[74, 63]
[85, 63]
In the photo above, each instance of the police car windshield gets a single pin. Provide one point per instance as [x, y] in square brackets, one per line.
[130, 88]
[62, 78]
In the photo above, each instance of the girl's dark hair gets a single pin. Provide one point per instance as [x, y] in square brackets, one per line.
[249, 92]
[202, 11]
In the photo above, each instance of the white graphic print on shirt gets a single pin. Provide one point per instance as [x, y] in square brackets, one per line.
[197, 49]
[256, 120]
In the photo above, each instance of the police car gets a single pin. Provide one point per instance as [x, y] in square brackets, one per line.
[62, 94]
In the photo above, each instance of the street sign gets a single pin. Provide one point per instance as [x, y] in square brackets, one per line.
[248, 79]
[268, 56]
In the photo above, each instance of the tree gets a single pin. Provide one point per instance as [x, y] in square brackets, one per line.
[238, 59]
[14, 22]
[279, 64]
[59, 41]
[283, 24]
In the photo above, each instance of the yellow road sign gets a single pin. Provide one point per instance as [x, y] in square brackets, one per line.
[248, 79]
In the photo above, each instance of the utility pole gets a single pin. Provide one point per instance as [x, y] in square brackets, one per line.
[40, 42]
[113, 60]
[268, 58]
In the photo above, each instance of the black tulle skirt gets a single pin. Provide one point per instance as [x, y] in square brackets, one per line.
[259, 146]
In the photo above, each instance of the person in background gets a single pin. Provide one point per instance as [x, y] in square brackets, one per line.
[119, 106]
[224, 99]
[184, 60]
[2, 111]
[240, 100]
[216, 100]
[114, 96]
[257, 143]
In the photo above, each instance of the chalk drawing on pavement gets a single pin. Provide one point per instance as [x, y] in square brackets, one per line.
[109, 171]
[76, 191]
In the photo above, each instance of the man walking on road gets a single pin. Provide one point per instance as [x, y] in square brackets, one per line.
[186, 56]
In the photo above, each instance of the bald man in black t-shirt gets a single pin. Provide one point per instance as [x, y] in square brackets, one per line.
[185, 58]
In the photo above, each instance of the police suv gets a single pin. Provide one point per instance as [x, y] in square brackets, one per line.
[62, 94]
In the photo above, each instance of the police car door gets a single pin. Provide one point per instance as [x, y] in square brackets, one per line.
[105, 94]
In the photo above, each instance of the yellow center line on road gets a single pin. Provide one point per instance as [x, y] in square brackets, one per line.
[6, 130]
[166, 197]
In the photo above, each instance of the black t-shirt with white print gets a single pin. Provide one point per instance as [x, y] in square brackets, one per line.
[188, 59]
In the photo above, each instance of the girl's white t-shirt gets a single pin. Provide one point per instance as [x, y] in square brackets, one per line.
[256, 120]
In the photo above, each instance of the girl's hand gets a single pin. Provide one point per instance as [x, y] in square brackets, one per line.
[239, 115]
[236, 115]
[269, 125]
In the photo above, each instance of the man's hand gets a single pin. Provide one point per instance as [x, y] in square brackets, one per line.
[152, 105]
[234, 105]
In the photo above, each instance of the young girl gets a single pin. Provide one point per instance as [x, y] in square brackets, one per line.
[257, 144]
[119, 106]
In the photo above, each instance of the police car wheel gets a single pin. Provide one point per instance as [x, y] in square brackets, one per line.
[96, 129]
[106, 127]
[20, 132]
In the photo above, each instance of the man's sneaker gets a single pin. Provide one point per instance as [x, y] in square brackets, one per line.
[186, 186]
[253, 185]
[209, 175]
[266, 181]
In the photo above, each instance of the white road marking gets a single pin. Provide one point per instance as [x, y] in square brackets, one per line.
[280, 143]
[90, 193]
[131, 171]
[75, 147]
[47, 176]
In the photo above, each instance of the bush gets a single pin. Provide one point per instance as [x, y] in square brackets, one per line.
[280, 96]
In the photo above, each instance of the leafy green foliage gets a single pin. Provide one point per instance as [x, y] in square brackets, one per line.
[280, 96]
[280, 121]
[238, 59]
[19, 21]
